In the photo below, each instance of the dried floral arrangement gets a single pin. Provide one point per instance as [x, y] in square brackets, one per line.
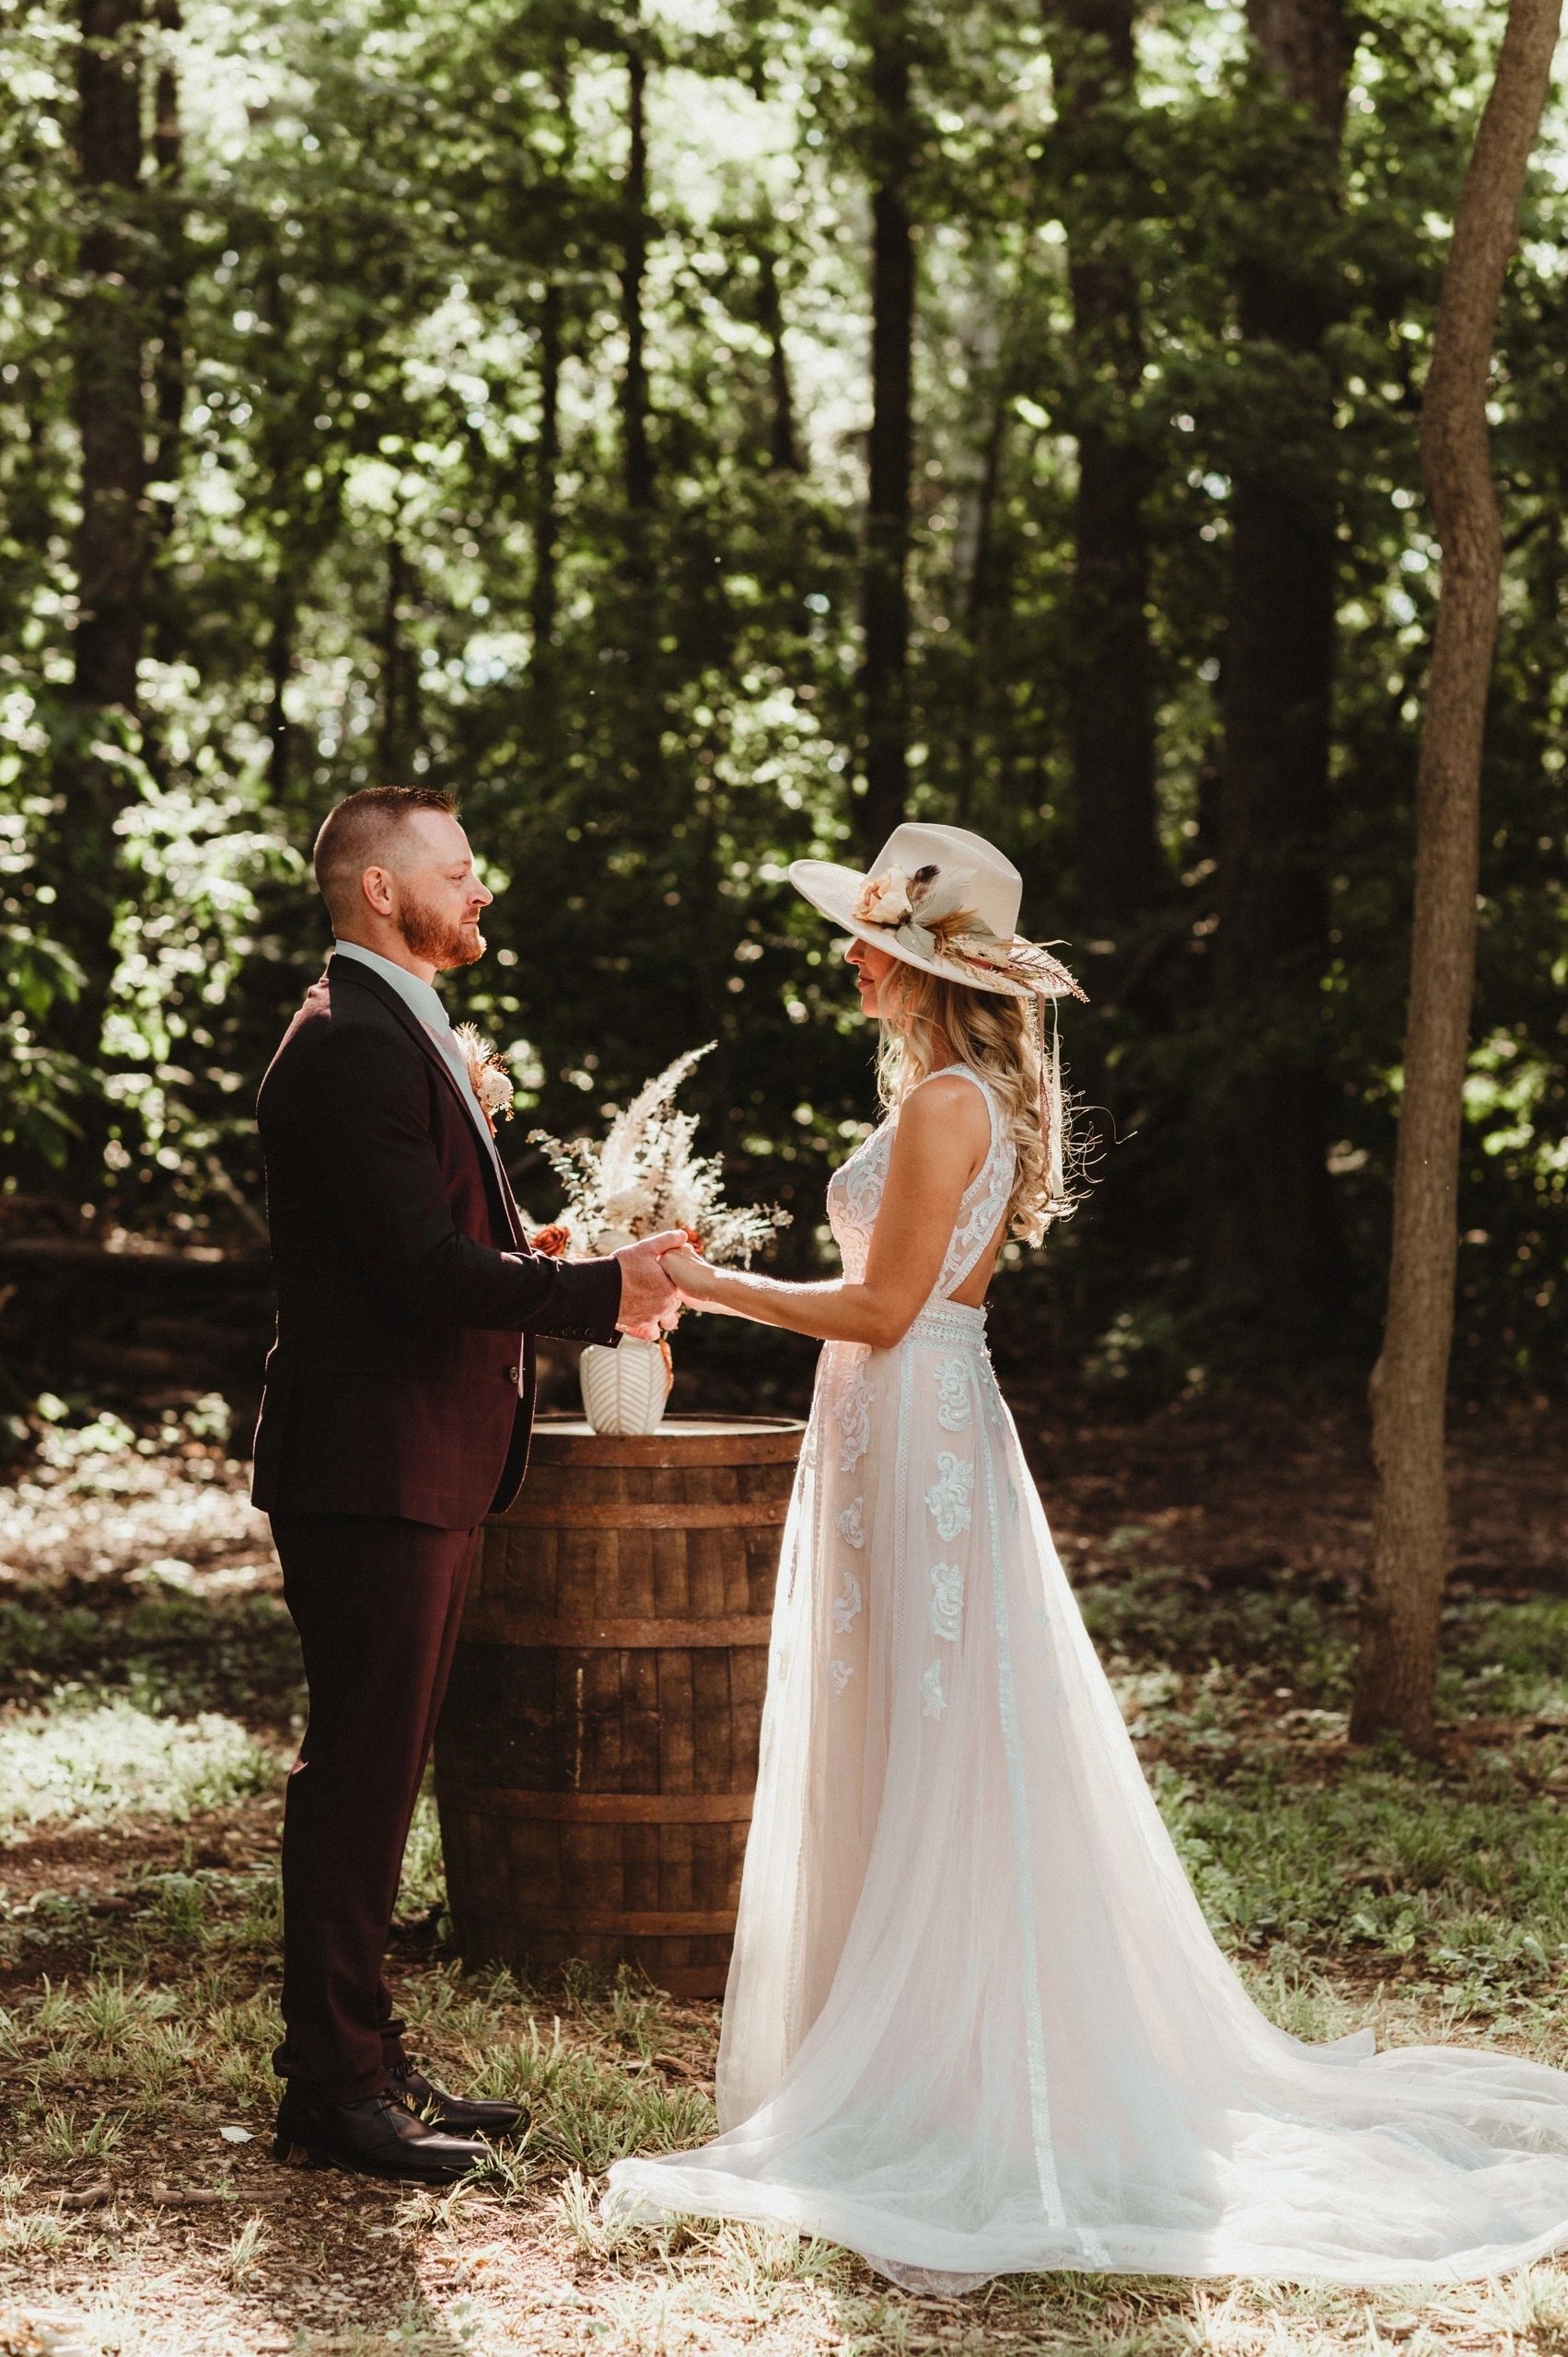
[643, 1176]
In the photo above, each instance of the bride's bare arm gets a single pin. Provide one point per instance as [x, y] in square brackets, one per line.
[939, 1143]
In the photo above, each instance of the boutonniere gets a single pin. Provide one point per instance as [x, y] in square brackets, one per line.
[488, 1075]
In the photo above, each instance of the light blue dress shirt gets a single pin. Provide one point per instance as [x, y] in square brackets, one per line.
[420, 1000]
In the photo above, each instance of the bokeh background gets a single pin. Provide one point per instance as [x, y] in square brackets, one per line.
[697, 434]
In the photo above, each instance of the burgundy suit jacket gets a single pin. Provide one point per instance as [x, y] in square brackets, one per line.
[408, 1296]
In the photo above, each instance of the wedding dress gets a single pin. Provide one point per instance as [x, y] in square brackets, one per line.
[976, 2023]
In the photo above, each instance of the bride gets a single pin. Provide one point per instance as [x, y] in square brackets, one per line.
[976, 2023]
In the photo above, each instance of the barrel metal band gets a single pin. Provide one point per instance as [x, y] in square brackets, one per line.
[598, 1808]
[650, 1513]
[689, 1923]
[495, 1626]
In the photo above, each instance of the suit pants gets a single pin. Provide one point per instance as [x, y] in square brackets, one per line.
[377, 1602]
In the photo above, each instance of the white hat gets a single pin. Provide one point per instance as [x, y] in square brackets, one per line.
[943, 899]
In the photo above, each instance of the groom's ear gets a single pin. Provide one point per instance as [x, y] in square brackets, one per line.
[376, 890]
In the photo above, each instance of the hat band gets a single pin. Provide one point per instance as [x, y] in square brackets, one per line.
[886, 904]
[891, 903]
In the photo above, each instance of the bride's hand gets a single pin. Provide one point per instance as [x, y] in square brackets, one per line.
[690, 1274]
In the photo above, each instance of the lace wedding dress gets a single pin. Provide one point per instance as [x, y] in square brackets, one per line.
[976, 2022]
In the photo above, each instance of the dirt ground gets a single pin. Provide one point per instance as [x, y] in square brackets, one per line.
[148, 1698]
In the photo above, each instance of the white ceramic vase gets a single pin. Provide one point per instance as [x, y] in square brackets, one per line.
[626, 1389]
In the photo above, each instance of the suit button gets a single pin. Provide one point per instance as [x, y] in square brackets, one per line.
[511, 1374]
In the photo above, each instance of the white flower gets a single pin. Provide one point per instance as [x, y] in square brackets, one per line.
[948, 1600]
[948, 1496]
[850, 1528]
[841, 1672]
[495, 1091]
[488, 1076]
[933, 1700]
[631, 1209]
[883, 899]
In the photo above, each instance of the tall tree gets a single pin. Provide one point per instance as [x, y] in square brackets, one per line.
[885, 572]
[1275, 1234]
[398, 733]
[169, 365]
[783, 444]
[1122, 872]
[110, 552]
[636, 457]
[544, 594]
[280, 465]
[1397, 1673]
[644, 731]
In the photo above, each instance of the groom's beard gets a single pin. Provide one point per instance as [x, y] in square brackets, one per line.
[436, 939]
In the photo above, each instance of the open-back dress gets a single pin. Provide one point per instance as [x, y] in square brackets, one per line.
[976, 2022]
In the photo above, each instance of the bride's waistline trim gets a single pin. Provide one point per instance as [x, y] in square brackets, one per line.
[953, 1325]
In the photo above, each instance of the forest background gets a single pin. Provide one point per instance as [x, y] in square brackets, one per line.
[700, 435]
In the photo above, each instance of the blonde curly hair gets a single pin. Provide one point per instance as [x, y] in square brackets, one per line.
[995, 1035]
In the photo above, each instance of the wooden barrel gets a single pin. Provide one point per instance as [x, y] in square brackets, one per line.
[598, 1751]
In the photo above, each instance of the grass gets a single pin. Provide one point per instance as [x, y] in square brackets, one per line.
[142, 1747]
[92, 1763]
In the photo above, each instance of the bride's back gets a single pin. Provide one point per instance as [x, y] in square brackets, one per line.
[855, 1189]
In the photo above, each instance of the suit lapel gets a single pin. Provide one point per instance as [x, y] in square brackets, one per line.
[363, 977]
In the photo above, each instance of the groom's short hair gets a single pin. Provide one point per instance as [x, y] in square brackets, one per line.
[358, 832]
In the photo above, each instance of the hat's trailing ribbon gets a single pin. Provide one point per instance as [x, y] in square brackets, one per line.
[1052, 1107]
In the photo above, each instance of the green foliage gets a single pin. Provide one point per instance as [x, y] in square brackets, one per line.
[397, 536]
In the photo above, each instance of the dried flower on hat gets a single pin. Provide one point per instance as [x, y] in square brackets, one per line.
[883, 899]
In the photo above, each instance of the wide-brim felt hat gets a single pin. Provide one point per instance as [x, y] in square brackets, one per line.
[946, 900]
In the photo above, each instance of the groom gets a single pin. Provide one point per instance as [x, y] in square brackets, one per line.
[398, 1406]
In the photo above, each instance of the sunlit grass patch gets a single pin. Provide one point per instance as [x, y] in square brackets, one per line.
[98, 1761]
[1461, 1875]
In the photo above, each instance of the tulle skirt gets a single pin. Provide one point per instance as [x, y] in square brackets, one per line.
[976, 2023]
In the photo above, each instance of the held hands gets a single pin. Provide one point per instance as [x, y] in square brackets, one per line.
[649, 1304]
[692, 1275]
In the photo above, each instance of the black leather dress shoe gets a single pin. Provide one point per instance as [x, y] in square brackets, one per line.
[380, 2136]
[459, 2115]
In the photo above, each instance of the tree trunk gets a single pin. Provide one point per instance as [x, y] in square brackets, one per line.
[1397, 1670]
[1276, 1246]
[784, 453]
[544, 596]
[885, 593]
[169, 366]
[282, 630]
[106, 333]
[399, 731]
[637, 474]
[644, 703]
[974, 594]
[542, 604]
[1121, 870]
[278, 454]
